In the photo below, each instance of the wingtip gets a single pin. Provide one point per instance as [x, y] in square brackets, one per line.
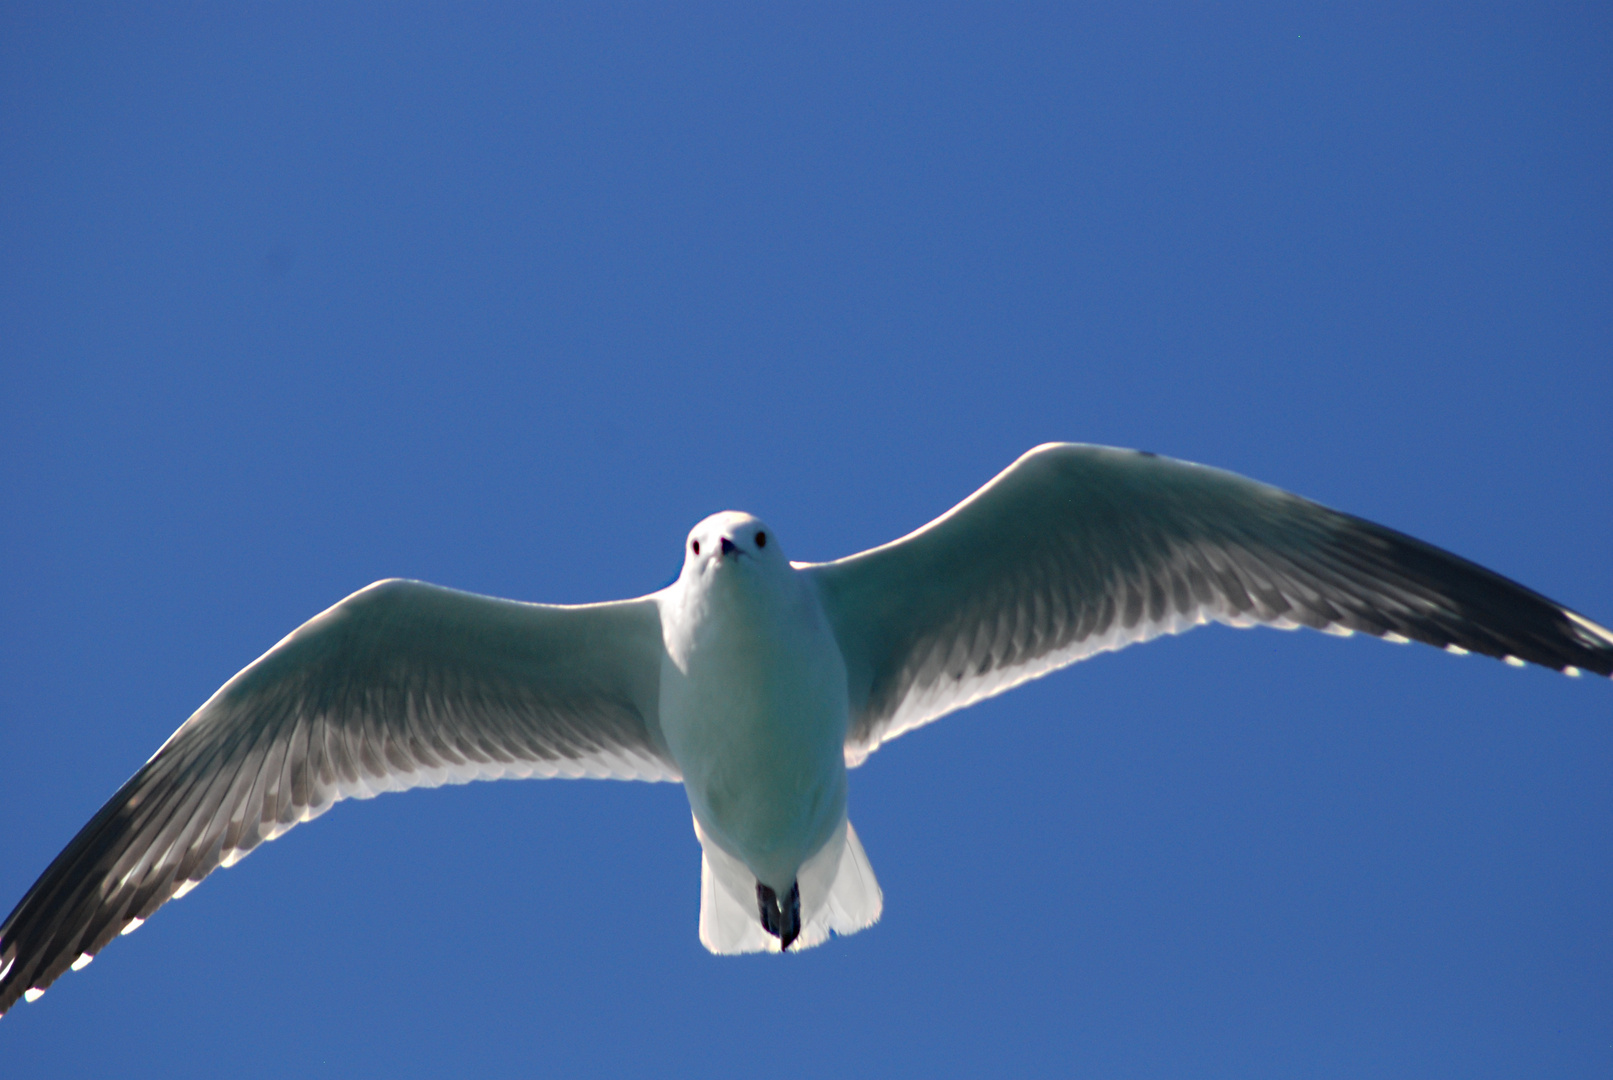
[1598, 635]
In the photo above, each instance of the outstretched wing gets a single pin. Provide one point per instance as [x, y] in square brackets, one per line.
[1076, 549]
[401, 685]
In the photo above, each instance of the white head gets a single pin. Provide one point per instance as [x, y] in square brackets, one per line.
[727, 542]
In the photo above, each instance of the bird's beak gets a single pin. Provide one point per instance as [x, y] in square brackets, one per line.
[728, 547]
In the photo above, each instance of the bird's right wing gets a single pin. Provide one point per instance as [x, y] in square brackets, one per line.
[1075, 550]
[400, 685]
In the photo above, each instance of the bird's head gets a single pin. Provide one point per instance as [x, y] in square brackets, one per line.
[728, 542]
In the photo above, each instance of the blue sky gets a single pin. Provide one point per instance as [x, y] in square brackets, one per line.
[295, 298]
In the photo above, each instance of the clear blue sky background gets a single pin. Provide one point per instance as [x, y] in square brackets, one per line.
[292, 299]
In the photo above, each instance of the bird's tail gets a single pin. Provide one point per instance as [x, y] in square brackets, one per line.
[838, 895]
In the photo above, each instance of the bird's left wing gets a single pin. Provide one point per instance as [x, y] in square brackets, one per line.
[400, 685]
[1075, 549]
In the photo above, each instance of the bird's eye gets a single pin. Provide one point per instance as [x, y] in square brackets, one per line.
[694, 546]
[761, 539]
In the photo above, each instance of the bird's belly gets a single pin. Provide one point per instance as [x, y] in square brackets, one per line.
[759, 736]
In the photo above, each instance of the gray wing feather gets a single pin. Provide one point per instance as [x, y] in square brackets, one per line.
[401, 685]
[1075, 550]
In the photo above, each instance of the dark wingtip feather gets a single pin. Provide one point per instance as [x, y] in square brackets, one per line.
[1479, 610]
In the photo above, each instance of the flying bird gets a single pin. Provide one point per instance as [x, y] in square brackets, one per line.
[755, 681]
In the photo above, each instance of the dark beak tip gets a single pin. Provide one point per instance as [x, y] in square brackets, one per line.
[728, 546]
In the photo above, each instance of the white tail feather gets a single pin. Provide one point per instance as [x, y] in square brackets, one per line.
[839, 894]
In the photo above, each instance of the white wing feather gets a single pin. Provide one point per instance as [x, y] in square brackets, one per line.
[400, 685]
[1075, 550]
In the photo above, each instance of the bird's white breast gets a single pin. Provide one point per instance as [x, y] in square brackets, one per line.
[754, 707]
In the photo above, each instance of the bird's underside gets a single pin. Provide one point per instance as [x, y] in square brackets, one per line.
[1072, 551]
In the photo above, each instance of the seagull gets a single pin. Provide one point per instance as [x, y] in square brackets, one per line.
[755, 681]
